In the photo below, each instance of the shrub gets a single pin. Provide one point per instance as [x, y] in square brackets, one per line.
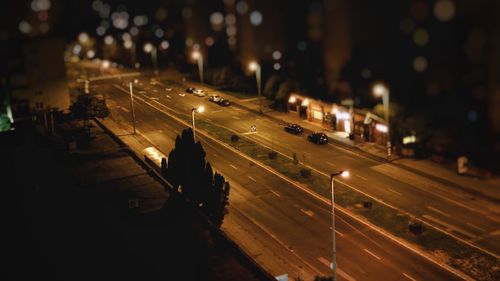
[305, 173]
[235, 138]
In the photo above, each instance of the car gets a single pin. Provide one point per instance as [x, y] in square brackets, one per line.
[214, 98]
[293, 129]
[318, 138]
[190, 90]
[199, 93]
[168, 89]
[224, 102]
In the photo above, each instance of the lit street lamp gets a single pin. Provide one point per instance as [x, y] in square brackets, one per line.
[343, 174]
[380, 90]
[199, 109]
[197, 55]
[254, 66]
[151, 49]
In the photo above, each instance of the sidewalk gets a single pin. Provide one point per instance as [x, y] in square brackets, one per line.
[486, 188]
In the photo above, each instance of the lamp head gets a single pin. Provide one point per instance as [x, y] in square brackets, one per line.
[196, 55]
[253, 66]
[200, 109]
[380, 90]
[148, 47]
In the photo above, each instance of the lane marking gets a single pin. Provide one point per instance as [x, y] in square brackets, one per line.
[475, 226]
[236, 117]
[250, 177]
[438, 211]
[275, 193]
[368, 251]
[339, 233]
[394, 191]
[307, 212]
[449, 227]
[124, 109]
[361, 177]
[409, 277]
[232, 166]
[331, 164]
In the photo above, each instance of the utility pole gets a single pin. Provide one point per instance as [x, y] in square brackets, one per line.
[132, 106]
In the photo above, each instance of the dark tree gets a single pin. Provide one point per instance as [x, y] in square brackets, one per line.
[89, 106]
[323, 278]
[164, 167]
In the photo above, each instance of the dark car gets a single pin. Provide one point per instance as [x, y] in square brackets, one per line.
[224, 102]
[293, 128]
[190, 90]
[318, 138]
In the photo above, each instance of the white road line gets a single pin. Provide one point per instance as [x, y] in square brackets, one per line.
[208, 119]
[361, 177]
[475, 226]
[438, 211]
[124, 109]
[232, 166]
[377, 257]
[331, 164]
[345, 275]
[409, 277]
[394, 191]
[339, 233]
[250, 177]
[275, 193]
[449, 226]
[236, 117]
[307, 212]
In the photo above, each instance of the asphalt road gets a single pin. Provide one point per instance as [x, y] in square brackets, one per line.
[296, 224]
[453, 211]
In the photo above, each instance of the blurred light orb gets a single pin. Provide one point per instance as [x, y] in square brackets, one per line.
[161, 14]
[380, 89]
[253, 66]
[128, 44]
[216, 18]
[96, 5]
[276, 55]
[140, 20]
[301, 45]
[277, 66]
[366, 73]
[104, 11]
[148, 47]
[105, 24]
[108, 40]
[196, 46]
[77, 49]
[40, 5]
[83, 37]
[256, 18]
[444, 10]
[196, 54]
[100, 31]
[230, 19]
[164, 44]
[242, 7]
[420, 64]
[421, 37]
[126, 36]
[231, 41]
[231, 30]
[25, 27]
[209, 41]
[90, 54]
[134, 31]
[189, 42]
[159, 33]
[120, 20]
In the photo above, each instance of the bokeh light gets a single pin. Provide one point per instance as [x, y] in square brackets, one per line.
[421, 37]
[256, 18]
[276, 55]
[420, 64]
[444, 10]
[242, 7]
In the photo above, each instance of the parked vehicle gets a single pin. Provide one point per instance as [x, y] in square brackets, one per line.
[293, 129]
[190, 90]
[199, 93]
[318, 138]
[224, 102]
[214, 98]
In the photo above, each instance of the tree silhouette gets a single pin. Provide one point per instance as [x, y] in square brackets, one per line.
[89, 106]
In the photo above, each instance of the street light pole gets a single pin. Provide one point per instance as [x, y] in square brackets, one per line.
[132, 106]
[154, 57]
[334, 248]
[200, 109]
[381, 90]
[254, 66]
[198, 56]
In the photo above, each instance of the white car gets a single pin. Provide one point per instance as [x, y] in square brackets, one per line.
[199, 93]
[214, 98]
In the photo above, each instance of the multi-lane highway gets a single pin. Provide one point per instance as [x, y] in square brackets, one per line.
[281, 225]
[456, 212]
